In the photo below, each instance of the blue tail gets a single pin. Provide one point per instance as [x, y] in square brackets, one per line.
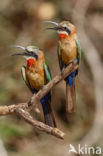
[70, 92]
[44, 101]
[71, 77]
[48, 115]
[46, 105]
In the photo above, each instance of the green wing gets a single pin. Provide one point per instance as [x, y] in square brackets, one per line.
[47, 72]
[59, 57]
[24, 77]
[79, 51]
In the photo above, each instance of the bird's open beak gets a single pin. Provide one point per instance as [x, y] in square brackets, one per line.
[56, 27]
[18, 53]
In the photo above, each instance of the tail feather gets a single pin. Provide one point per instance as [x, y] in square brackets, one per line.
[70, 97]
[48, 114]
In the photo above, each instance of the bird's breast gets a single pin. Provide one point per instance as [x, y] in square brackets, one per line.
[36, 77]
[68, 50]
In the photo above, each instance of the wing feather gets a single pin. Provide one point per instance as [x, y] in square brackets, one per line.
[26, 80]
[47, 72]
[79, 51]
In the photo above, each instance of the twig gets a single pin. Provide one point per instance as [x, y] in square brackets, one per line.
[23, 108]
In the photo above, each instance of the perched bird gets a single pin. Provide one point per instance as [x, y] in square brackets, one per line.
[36, 74]
[68, 51]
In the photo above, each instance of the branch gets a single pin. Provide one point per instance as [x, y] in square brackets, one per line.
[39, 125]
[6, 110]
[23, 108]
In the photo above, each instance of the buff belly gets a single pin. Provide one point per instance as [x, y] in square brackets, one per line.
[68, 51]
[68, 55]
[36, 80]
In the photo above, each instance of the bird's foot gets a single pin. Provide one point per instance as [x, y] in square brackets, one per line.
[62, 72]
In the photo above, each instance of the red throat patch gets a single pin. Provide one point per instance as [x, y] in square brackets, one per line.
[30, 62]
[62, 35]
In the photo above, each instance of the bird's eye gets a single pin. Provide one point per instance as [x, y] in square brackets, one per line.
[34, 54]
[65, 28]
[31, 52]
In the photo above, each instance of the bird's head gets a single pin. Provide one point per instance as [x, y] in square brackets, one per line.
[64, 29]
[30, 54]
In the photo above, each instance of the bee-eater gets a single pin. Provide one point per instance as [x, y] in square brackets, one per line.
[36, 74]
[68, 50]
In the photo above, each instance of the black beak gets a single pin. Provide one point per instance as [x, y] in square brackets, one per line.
[56, 27]
[22, 54]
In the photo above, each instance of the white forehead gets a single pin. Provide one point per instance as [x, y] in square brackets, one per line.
[64, 25]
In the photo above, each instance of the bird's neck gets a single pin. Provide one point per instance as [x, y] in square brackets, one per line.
[68, 38]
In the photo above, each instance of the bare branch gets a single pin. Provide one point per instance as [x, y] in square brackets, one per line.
[39, 125]
[7, 110]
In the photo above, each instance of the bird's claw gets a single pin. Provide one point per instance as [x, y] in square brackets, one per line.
[73, 62]
[62, 72]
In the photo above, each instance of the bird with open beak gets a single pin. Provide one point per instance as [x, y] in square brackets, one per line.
[36, 74]
[68, 51]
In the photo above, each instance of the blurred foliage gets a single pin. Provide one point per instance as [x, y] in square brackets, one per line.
[21, 24]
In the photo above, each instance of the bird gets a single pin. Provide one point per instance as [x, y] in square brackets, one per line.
[36, 74]
[68, 51]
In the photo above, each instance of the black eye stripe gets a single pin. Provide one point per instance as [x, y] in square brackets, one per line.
[65, 29]
[32, 54]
